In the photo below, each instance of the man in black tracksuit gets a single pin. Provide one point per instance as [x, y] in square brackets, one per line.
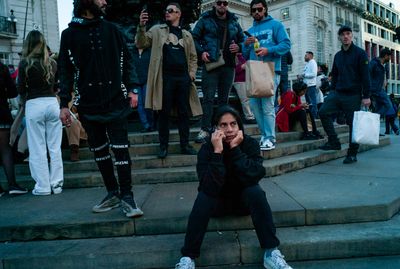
[350, 89]
[95, 62]
[229, 167]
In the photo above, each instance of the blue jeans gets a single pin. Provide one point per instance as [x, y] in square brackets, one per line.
[311, 98]
[264, 111]
[145, 115]
[381, 102]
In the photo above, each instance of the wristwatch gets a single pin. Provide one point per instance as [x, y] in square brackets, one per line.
[135, 91]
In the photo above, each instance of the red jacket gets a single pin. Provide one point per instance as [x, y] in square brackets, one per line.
[286, 108]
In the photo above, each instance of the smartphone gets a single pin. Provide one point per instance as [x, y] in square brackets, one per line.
[144, 8]
[247, 33]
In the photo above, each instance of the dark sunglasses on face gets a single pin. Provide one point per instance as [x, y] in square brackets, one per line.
[170, 10]
[220, 3]
[259, 9]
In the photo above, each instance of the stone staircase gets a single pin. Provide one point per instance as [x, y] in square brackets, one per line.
[318, 214]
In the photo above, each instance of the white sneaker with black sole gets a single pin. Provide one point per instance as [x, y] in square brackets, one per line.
[129, 207]
[16, 190]
[267, 145]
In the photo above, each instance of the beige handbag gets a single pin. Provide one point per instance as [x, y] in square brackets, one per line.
[220, 61]
[260, 78]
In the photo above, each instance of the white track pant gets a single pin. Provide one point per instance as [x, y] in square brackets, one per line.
[44, 131]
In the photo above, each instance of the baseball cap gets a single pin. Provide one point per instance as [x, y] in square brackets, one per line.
[344, 28]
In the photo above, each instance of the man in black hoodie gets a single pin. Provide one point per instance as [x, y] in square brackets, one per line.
[95, 62]
[229, 167]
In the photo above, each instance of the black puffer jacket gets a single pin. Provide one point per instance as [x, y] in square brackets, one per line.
[206, 37]
[95, 62]
[228, 173]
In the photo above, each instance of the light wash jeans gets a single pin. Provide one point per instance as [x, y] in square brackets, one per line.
[264, 111]
[44, 131]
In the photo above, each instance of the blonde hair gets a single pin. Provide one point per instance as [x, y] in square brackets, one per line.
[35, 51]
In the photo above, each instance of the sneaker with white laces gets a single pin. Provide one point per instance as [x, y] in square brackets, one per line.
[129, 207]
[275, 261]
[109, 202]
[267, 145]
[185, 263]
[200, 138]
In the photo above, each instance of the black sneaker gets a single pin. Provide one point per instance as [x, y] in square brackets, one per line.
[16, 190]
[308, 136]
[109, 202]
[331, 146]
[129, 207]
[2, 192]
[188, 150]
[318, 135]
[350, 159]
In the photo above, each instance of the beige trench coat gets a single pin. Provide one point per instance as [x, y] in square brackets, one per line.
[155, 38]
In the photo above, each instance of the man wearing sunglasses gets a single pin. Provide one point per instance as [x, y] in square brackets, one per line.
[216, 33]
[172, 70]
[273, 44]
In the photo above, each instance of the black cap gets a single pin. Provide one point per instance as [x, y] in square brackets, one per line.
[344, 28]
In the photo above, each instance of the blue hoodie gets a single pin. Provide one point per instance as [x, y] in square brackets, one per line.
[272, 35]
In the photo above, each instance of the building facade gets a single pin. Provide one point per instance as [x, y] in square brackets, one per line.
[379, 24]
[18, 17]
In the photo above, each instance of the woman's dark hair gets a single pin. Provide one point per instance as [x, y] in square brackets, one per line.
[221, 111]
[298, 87]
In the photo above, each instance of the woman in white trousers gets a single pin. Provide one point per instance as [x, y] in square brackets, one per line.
[44, 128]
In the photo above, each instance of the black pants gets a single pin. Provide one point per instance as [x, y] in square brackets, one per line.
[251, 201]
[389, 122]
[301, 116]
[333, 104]
[114, 134]
[175, 92]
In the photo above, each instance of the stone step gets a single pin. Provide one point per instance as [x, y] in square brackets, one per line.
[313, 196]
[152, 148]
[304, 153]
[219, 248]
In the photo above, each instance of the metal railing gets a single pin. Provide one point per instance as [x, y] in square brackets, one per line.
[7, 26]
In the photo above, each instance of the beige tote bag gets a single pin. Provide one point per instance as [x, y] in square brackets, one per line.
[260, 78]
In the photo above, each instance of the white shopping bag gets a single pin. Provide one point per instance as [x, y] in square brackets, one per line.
[366, 127]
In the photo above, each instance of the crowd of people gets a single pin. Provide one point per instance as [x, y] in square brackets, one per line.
[101, 80]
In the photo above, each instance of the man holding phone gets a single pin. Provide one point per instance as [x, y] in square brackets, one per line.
[268, 41]
[229, 167]
[217, 33]
[172, 71]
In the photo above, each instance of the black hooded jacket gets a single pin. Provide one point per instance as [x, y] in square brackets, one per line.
[94, 61]
[226, 174]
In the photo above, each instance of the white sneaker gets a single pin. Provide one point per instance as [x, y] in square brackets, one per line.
[275, 261]
[267, 145]
[185, 263]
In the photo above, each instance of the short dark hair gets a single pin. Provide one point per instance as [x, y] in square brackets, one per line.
[299, 86]
[255, 2]
[384, 52]
[175, 4]
[80, 6]
[310, 52]
[344, 28]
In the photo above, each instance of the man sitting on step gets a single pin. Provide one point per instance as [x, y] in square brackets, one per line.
[229, 168]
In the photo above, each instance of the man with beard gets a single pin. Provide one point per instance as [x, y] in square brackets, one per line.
[377, 72]
[94, 60]
[273, 42]
[216, 33]
[310, 78]
[173, 65]
[350, 89]
[229, 167]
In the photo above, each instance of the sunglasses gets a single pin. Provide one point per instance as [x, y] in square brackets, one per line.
[259, 9]
[171, 10]
[220, 3]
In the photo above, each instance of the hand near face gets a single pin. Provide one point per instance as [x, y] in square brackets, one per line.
[237, 140]
[217, 138]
